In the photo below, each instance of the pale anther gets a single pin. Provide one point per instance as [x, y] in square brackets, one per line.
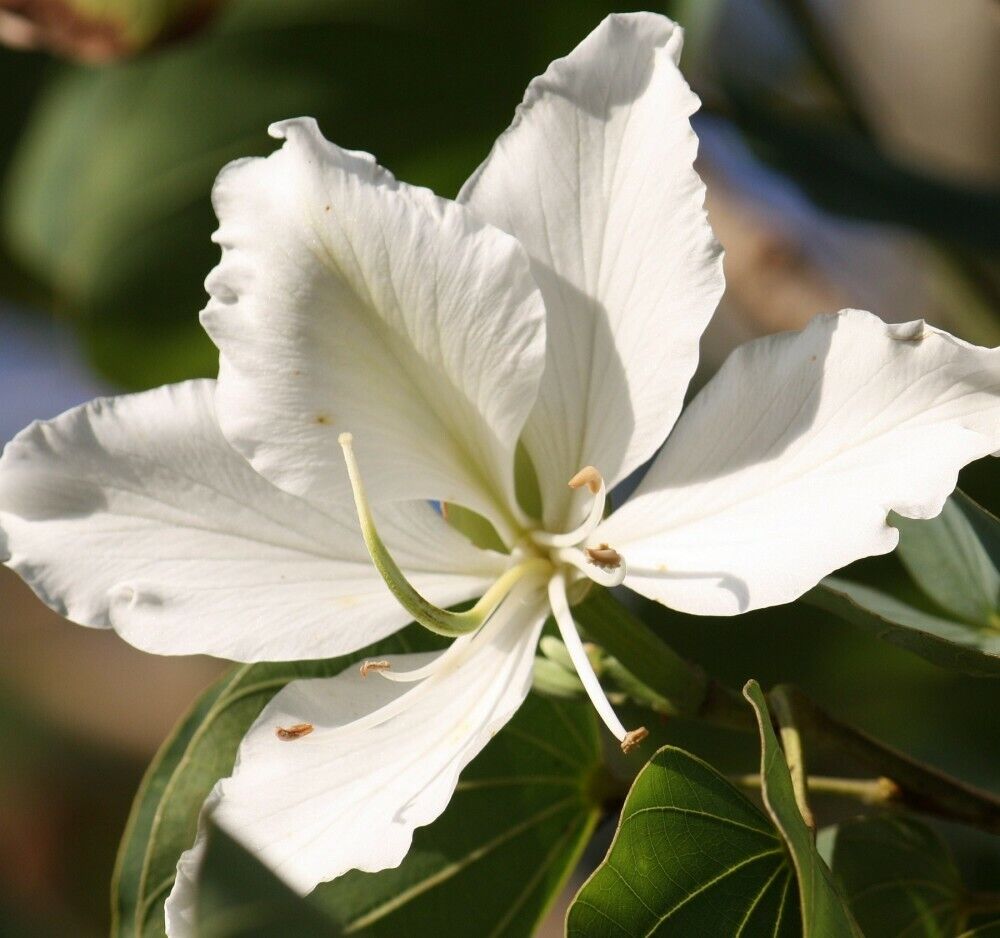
[633, 738]
[594, 481]
[370, 666]
[605, 557]
[589, 477]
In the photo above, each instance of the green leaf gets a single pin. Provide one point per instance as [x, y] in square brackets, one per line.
[824, 914]
[523, 811]
[942, 641]
[691, 856]
[953, 558]
[899, 878]
[238, 897]
[129, 883]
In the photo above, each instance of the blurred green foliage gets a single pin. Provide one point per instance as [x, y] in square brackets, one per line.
[107, 201]
[899, 877]
[106, 220]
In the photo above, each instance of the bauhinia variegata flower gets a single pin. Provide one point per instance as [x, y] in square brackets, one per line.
[383, 350]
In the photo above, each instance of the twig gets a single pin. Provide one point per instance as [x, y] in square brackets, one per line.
[869, 791]
[791, 742]
[921, 787]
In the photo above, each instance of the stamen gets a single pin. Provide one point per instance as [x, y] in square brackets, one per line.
[571, 639]
[594, 481]
[434, 618]
[370, 666]
[601, 573]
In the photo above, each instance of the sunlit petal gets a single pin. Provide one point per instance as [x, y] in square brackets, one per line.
[784, 468]
[383, 758]
[595, 178]
[134, 513]
[347, 301]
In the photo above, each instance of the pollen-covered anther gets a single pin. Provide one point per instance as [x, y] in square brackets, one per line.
[633, 738]
[605, 557]
[294, 732]
[370, 666]
[589, 477]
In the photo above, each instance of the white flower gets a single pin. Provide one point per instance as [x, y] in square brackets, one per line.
[559, 302]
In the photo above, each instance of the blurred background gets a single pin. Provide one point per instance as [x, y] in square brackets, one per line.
[850, 148]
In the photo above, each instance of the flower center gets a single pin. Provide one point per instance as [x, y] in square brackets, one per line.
[557, 559]
[600, 562]
[434, 618]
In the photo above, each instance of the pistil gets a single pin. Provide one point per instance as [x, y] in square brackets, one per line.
[434, 618]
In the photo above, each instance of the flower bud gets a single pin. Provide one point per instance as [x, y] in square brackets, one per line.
[89, 32]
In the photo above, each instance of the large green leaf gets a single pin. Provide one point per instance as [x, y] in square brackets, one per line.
[954, 560]
[899, 878]
[523, 811]
[824, 914]
[238, 897]
[691, 856]
[134, 895]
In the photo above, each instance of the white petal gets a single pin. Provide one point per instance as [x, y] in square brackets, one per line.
[346, 301]
[134, 513]
[784, 467]
[595, 178]
[383, 759]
